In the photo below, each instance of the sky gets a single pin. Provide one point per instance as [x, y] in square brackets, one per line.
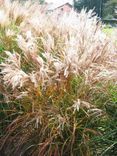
[58, 1]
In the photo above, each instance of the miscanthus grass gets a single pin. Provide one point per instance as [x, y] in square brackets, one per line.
[51, 68]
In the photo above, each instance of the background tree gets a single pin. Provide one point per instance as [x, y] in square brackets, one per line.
[89, 4]
[109, 10]
[41, 1]
[103, 8]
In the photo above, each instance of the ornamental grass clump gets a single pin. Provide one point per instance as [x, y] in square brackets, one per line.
[48, 76]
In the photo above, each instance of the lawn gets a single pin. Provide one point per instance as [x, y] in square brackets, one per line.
[109, 31]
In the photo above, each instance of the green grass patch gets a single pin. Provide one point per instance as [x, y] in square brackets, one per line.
[109, 31]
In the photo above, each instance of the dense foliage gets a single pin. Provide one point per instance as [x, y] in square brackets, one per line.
[110, 9]
[58, 78]
[105, 9]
